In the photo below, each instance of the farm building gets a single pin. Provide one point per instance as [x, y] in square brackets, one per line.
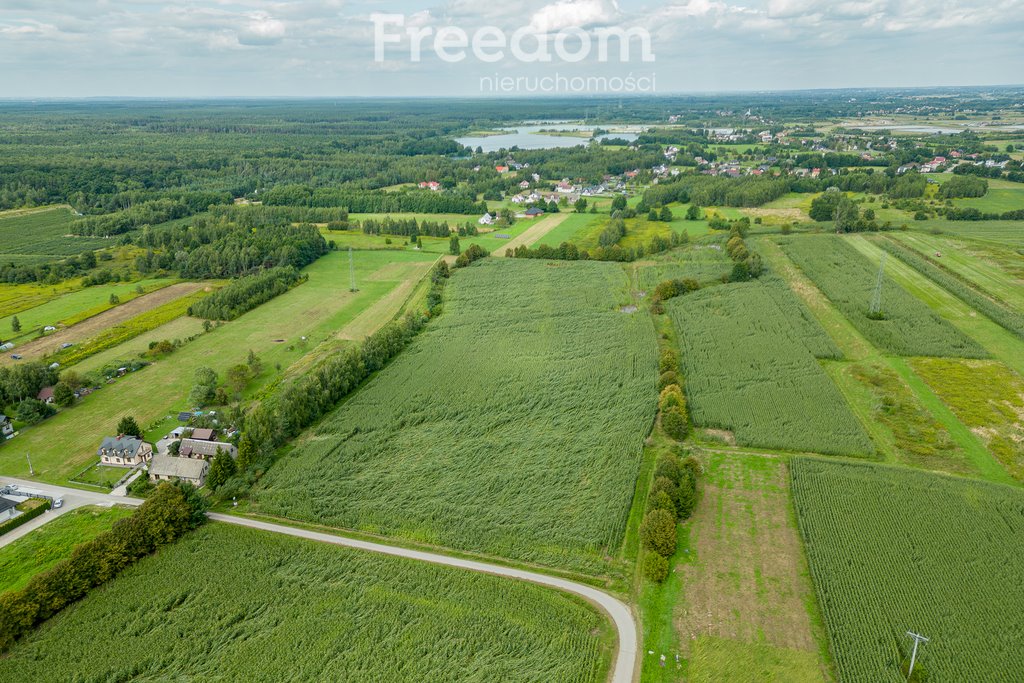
[534, 212]
[203, 450]
[202, 434]
[168, 468]
[124, 451]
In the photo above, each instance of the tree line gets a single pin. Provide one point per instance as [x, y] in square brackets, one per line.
[246, 293]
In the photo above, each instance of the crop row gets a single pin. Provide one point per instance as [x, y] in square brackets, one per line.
[262, 607]
[908, 327]
[750, 368]
[996, 311]
[896, 550]
[513, 425]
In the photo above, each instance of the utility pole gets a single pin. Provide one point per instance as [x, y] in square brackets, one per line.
[351, 272]
[918, 639]
[31, 472]
[876, 299]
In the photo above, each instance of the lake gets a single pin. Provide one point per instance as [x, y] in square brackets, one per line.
[528, 137]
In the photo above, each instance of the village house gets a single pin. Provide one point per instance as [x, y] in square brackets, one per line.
[431, 185]
[204, 450]
[124, 451]
[6, 428]
[167, 468]
[525, 185]
[45, 395]
[501, 169]
[488, 219]
[534, 212]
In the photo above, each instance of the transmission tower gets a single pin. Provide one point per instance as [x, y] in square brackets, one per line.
[352, 272]
[918, 639]
[876, 299]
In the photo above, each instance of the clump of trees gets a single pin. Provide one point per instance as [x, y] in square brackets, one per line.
[963, 186]
[671, 499]
[172, 511]
[474, 253]
[246, 293]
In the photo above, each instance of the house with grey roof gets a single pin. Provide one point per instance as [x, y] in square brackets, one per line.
[8, 509]
[204, 450]
[169, 468]
[6, 428]
[124, 451]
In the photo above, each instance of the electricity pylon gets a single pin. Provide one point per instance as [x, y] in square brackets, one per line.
[351, 272]
[876, 298]
[918, 639]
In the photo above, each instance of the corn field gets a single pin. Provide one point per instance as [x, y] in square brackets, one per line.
[233, 604]
[750, 368]
[896, 550]
[512, 426]
[847, 278]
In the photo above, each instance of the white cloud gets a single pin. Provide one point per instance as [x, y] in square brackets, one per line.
[579, 13]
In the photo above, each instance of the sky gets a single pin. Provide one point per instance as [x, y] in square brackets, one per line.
[331, 48]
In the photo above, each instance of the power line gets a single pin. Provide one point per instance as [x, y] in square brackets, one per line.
[918, 639]
[352, 272]
[876, 298]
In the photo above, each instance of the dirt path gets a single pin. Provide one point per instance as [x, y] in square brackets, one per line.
[92, 326]
[534, 233]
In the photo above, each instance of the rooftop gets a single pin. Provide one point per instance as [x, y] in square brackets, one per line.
[183, 468]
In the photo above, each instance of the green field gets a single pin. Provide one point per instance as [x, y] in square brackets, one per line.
[848, 279]
[746, 608]
[317, 309]
[227, 603]
[573, 227]
[996, 200]
[1006, 233]
[49, 544]
[74, 307]
[894, 550]
[996, 271]
[512, 426]
[751, 368]
[988, 398]
[704, 262]
[42, 235]
[431, 245]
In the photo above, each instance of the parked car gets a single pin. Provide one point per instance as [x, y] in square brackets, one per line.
[15, 356]
[57, 502]
[66, 345]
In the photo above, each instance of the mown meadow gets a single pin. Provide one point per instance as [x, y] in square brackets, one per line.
[512, 426]
[893, 550]
[227, 603]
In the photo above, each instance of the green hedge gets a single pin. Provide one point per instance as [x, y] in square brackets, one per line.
[12, 524]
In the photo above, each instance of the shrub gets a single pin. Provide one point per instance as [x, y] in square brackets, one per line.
[671, 397]
[655, 567]
[667, 378]
[686, 498]
[675, 424]
[658, 532]
[669, 361]
[662, 501]
[667, 466]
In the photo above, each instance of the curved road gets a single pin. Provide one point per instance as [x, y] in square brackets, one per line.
[620, 613]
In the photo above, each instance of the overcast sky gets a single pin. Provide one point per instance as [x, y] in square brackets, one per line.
[209, 48]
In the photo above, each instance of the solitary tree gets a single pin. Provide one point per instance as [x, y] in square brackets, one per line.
[453, 245]
[666, 214]
[237, 377]
[114, 300]
[128, 426]
[15, 324]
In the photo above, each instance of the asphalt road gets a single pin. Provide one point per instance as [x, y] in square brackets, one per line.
[622, 616]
